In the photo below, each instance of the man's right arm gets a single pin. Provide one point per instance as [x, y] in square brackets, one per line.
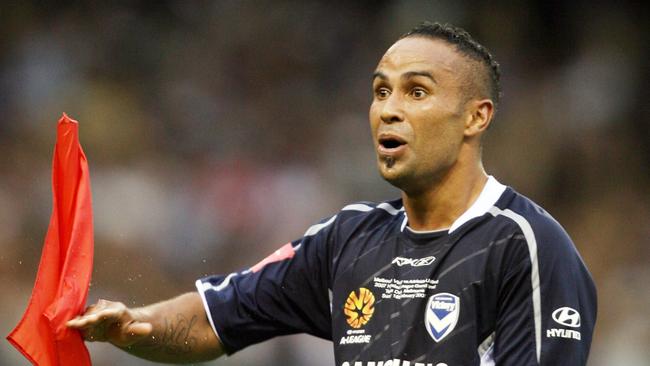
[172, 331]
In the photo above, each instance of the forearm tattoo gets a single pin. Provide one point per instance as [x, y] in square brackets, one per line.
[176, 337]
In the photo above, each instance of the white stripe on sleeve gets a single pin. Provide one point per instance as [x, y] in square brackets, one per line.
[534, 271]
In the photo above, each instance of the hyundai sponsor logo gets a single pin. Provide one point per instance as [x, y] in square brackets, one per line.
[567, 316]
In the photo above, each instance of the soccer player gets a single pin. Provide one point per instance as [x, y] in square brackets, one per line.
[461, 270]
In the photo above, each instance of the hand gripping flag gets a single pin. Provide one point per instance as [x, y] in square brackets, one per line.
[64, 272]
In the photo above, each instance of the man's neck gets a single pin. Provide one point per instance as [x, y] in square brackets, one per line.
[439, 206]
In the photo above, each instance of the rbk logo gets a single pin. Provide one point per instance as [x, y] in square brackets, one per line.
[567, 316]
[441, 315]
[415, 262]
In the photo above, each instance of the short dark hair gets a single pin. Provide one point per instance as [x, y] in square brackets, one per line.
[468, 46]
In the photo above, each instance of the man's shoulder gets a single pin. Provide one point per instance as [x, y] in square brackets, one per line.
[532, 219]
[362, 214]
[364, 211]
[392, 208]
[368, 214]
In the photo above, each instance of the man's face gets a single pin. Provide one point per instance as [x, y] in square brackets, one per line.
[417, 114]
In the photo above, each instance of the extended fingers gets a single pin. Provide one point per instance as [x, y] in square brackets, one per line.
[94, 318]
[97, 313]
[110, 321]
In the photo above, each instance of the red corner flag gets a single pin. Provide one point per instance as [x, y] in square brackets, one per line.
[63, 277]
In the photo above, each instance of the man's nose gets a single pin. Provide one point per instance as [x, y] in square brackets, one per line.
[392, 111]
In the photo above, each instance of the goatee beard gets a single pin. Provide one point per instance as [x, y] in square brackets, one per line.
[390, 161]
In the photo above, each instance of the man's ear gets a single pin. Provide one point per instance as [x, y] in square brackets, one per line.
[481, 112]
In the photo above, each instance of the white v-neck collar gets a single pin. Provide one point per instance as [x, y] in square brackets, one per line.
[490, 194]
[488, 197]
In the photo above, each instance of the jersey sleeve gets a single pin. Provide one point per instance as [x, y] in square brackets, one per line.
[547, 300]
[285, 293]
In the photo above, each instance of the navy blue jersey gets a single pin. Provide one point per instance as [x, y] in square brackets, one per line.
[504, 285]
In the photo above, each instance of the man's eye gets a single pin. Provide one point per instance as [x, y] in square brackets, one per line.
[382, 93]
[418, 93]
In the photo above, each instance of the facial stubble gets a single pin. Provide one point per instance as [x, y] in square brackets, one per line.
[389, 162]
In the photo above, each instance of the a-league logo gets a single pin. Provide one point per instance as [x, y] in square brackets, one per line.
[441, 315]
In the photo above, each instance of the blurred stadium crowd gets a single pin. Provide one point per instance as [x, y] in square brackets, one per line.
[218, 131]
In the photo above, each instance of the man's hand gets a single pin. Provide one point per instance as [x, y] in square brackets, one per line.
[113, 322]
[172, 331]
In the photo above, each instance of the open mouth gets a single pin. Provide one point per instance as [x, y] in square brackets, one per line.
[391, 142]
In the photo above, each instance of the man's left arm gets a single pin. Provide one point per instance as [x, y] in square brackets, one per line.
[546, 303]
